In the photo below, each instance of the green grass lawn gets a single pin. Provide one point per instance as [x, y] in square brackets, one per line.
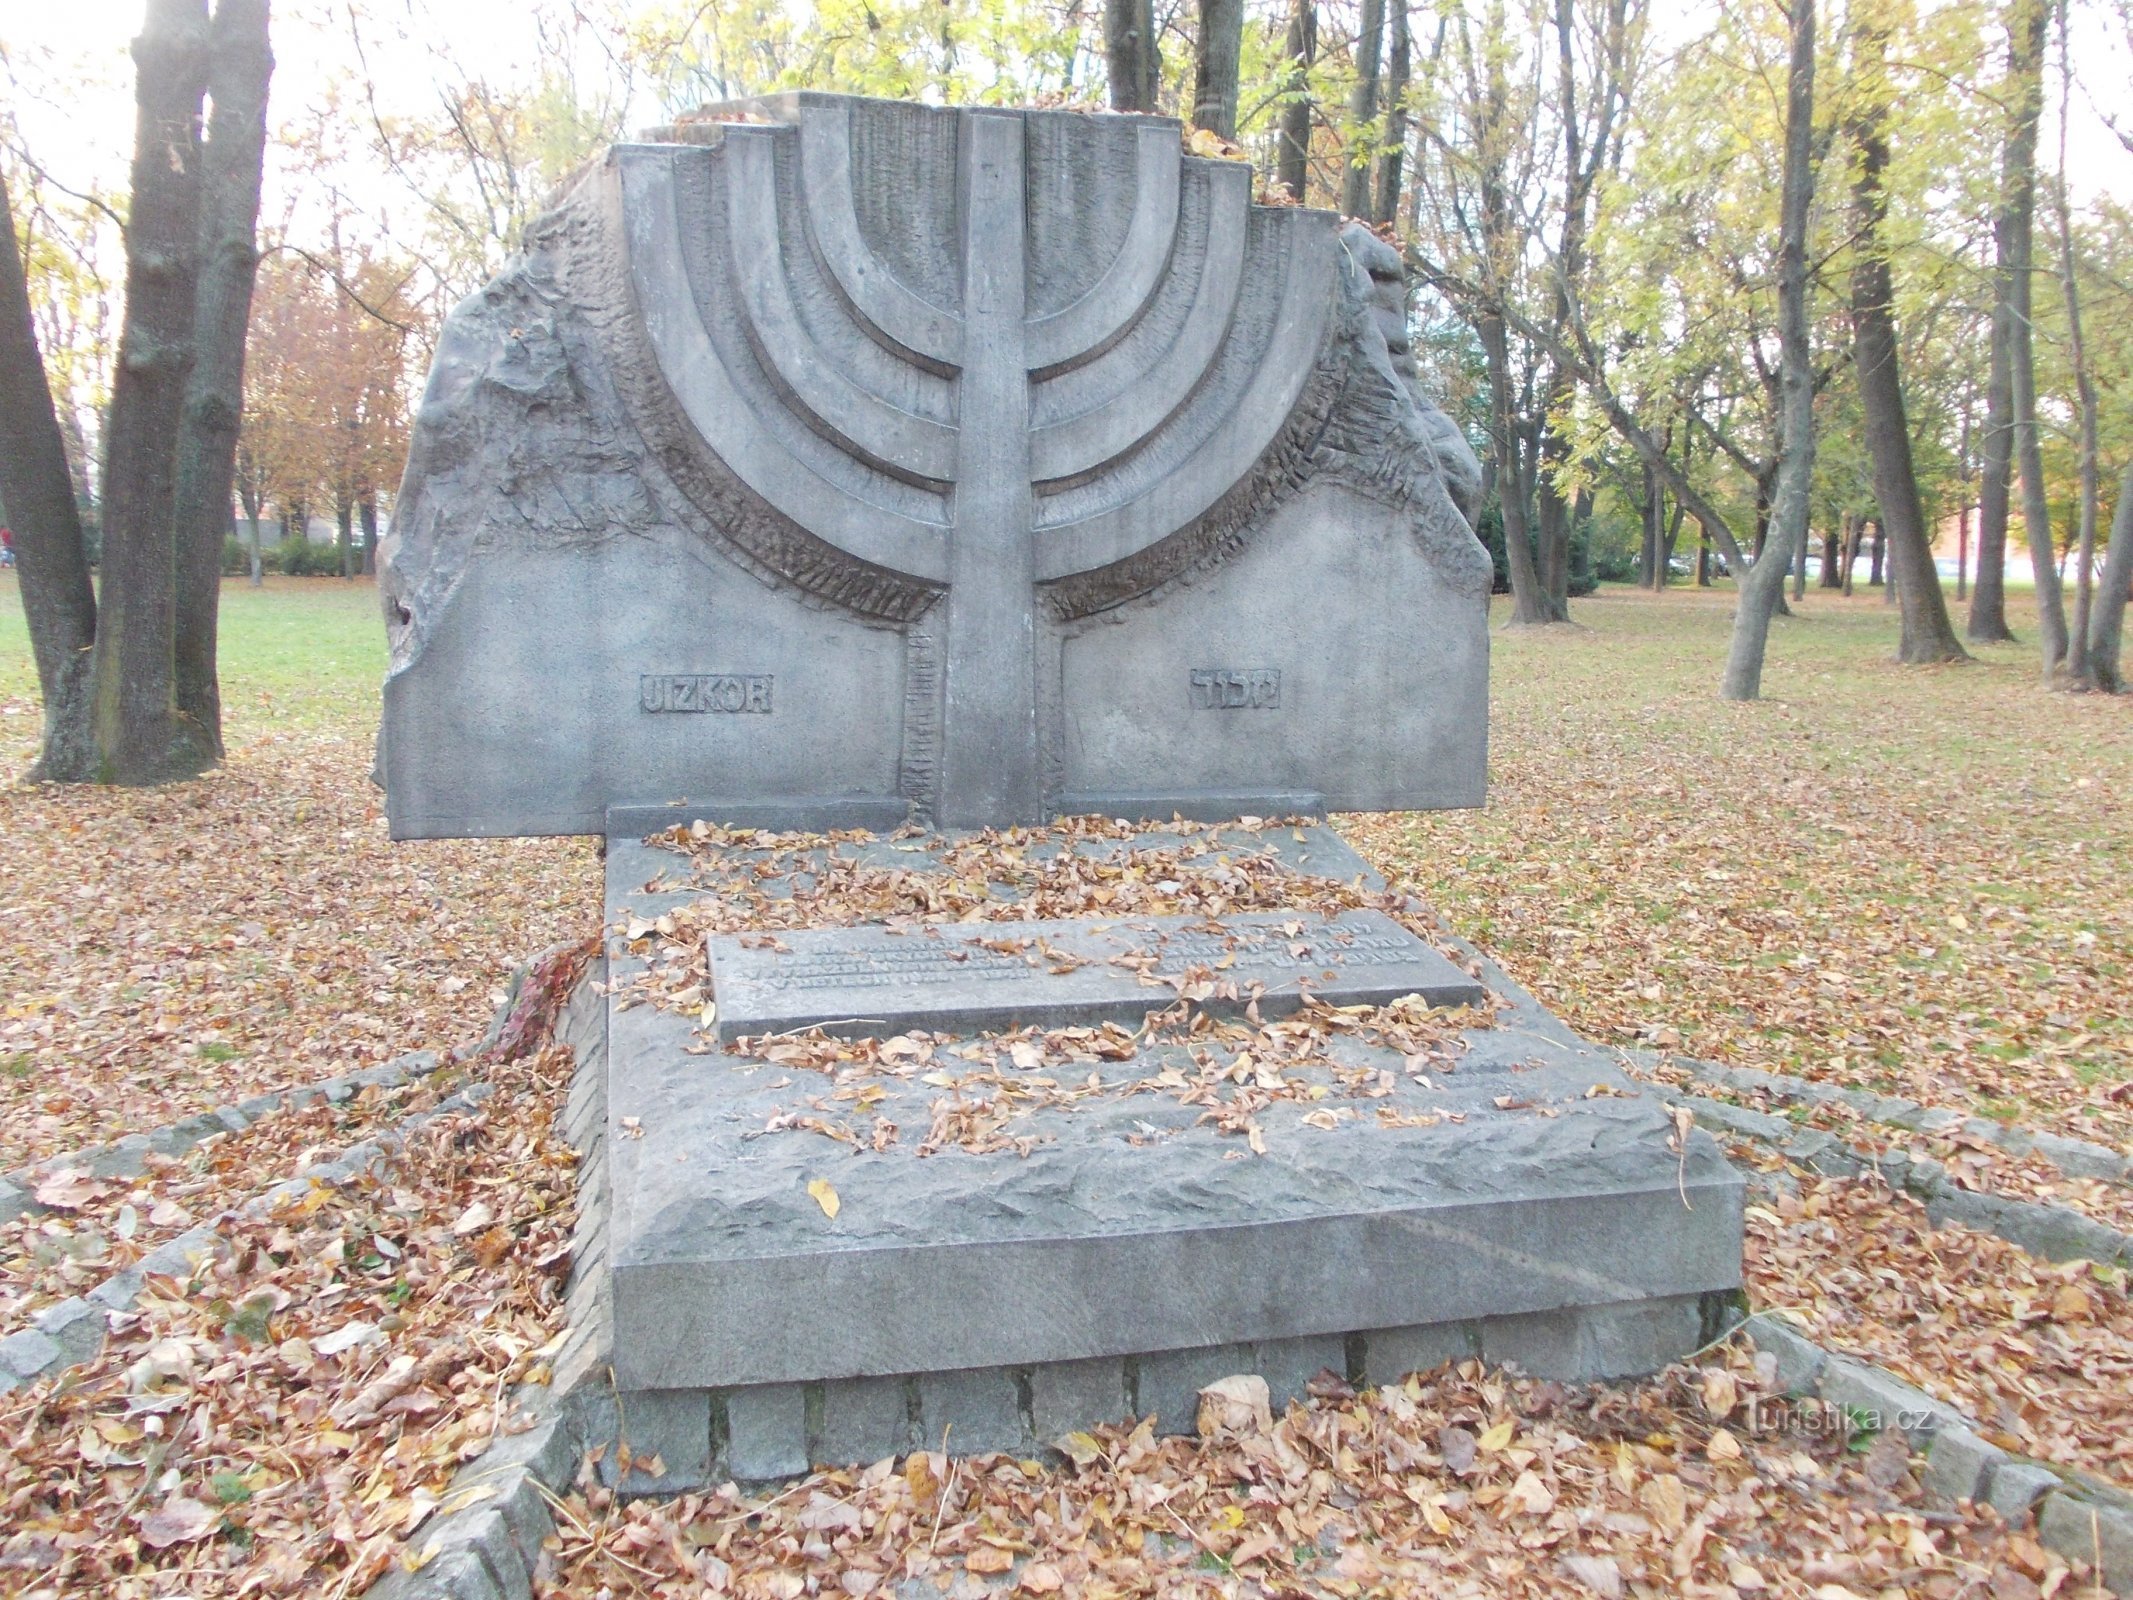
[295, 653]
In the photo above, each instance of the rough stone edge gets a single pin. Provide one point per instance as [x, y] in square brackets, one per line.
[2076, 1158]
[71, 1332]
[2076, 1515]
[2052, 1232]
[484, 1540]
[128, 1157]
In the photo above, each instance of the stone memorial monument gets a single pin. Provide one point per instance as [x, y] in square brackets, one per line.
[986, 465]
[877, 473]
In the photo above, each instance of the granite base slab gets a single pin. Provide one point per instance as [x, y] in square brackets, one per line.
[1532, 1180]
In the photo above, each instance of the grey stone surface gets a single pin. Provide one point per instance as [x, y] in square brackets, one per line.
[1502, 1187]
[1960, 1465]
[1171, 1381]
[2090, 1528]
[1390, 1354]
[1881, 1401]
[672, 1426]
[871, 981]
[1595, 1341]
[2017, 1486]
[76, 1326]
[1070, 1396]
[863, 1419]
[27, 1352]
[766, 1431]
[2055, 1232]
[848, 458]
[975, 1410]
[1799, 1359]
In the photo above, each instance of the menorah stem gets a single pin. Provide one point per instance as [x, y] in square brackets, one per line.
[989, 733]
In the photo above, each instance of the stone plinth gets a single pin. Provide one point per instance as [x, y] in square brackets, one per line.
[1526, 1204]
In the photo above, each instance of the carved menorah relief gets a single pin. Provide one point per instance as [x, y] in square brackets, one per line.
[829, 462]
[1032, 410]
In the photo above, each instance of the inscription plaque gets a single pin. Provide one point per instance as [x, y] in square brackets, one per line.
[874, 982]
[705, 691]
[1236, 689]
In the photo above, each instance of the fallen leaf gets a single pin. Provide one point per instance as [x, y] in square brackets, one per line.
[1457, 1446]
[1529, 1496]
[1236, 1404]
[472, 1220]
[178, 1520]
[1667, 1501]
[67, 1190]
[1601, 1574]
[825, 1196]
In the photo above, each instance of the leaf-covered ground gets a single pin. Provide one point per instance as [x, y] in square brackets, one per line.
[1911, 880]
[165, 951]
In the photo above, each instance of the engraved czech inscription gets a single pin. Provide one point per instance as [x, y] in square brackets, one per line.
[706, 691]
[1236, 688]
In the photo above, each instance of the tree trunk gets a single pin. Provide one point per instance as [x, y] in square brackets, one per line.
[2078, 654]
[1962, 550]
[1666, 549]
[1927, 633]
[1130, 54]
[1763, 585]
[1799, 569]
[52, 561]
[1652, 515]
[1512, 477]
[1876, 551]
[344, 512]
[2027, 31]
[2011, 228]
[239, 66]
[1832, 548]
[1214, 73]
[1389, 164]
[1703, 557]
[367, 510]
[134, 720]
[1363, 109]
[2107, 626]
[1292, 164]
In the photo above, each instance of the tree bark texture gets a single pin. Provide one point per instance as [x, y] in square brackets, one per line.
[52, 562]
[1130, 54]
[1292, 165]
[1762, 587]
[1387, 207]
[240, 64]
[2010, 219]
[1927, 634]
[134, 724]
[1512, 476]
[1363, 109]
[2028, 27]
[1214, 74]
[2107, 626]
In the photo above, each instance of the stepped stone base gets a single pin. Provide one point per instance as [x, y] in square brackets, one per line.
[1523, 1207]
